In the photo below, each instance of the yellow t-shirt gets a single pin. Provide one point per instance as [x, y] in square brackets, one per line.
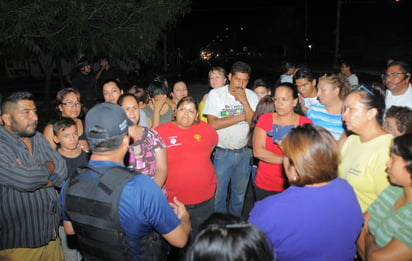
[201, 108]
[363, 166]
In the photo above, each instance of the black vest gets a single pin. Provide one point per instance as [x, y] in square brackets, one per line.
[93, 209]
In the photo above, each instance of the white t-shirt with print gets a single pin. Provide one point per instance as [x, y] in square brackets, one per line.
[221, 103]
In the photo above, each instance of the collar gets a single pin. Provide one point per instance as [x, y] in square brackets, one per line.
[11, 136]
[104, 163]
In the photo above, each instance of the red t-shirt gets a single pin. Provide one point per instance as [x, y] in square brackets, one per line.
[271, 176]
[190, 176]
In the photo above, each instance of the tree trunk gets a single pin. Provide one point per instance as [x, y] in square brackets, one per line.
[46, 61]
[4, 69]
[165, 62]
[60, 71]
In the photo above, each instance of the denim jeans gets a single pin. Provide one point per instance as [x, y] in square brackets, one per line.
[232, 169]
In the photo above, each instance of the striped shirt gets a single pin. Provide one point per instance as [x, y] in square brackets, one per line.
[29, 214]
[385, 224]
[332, 122]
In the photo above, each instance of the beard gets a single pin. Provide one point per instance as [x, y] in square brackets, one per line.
[27, 132]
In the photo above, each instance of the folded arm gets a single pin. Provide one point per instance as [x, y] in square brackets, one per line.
[259, 148]
[220, 123]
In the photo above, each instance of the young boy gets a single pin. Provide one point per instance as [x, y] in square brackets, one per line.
[398, 120]
[67, 140]
[306, 84]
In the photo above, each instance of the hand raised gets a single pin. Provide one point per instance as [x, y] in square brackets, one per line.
[240, 95]
[179, 209]
[159, 101]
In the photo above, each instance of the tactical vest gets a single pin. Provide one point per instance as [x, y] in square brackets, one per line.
[93, 209]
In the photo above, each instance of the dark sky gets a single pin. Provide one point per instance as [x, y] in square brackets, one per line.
[280, 23]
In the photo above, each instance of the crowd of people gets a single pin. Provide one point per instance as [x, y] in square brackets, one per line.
[148, 173]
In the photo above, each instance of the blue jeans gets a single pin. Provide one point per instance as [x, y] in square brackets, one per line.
[232, 168]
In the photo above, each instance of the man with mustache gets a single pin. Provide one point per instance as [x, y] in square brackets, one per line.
[29, 170]
[397, 80]
[229, 110]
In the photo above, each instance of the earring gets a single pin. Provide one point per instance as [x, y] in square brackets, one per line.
[295, 178]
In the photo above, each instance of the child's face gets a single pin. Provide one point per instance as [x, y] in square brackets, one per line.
[68, 138]
[390, 126]
[261, 91]
[397, 171]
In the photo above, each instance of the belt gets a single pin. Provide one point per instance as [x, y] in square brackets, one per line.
[235, 150]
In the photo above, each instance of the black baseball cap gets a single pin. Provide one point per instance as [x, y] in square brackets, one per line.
[106, 120]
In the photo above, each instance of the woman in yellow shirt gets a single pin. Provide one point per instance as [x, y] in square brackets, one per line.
[366, 151]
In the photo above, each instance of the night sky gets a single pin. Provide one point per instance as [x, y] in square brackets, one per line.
[371, 30]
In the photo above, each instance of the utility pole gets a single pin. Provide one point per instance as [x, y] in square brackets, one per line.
[306, 32]
[337, 33]
[165, 54]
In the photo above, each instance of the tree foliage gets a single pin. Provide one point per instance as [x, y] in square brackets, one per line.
[49, 29]
[121, 28]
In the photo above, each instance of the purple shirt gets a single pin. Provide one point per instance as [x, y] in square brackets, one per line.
[311, 223]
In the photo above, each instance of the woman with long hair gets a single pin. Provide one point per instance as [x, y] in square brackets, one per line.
[147, 151]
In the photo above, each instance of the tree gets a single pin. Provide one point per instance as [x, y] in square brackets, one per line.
[66, 28]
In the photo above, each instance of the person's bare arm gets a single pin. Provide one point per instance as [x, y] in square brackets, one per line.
[240, 95]
[368, 250]
[158, 104]
[149, 122]
[179, 236]
[48, 134]
[99, 73]
[259, 148]
[161, 167]
[394, 250]
[361, 239]
[220, 123]
[68, 228]
[171, 104]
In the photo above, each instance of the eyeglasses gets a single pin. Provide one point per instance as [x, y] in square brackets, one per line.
[394, 74]
[71, 104]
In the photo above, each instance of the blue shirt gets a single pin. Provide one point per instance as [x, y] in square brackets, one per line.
[332, 122]
[142, 207]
